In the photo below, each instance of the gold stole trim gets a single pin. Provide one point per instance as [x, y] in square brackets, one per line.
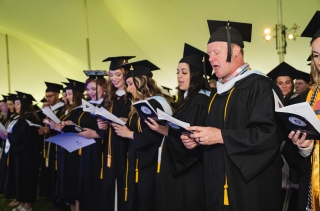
[225, 187]
[315, 174]
[79, 121]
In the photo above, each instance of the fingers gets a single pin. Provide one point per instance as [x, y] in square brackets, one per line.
[195, 128]
[153, 122]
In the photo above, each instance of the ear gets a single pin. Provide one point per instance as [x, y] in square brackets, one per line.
[236, 50]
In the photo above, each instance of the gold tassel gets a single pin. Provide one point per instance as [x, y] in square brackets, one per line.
[8, 160]
[44, 147]
[158, 168]
[56, 162]
[47, 162]
[80, 151]
[137, 172]
[56, 165]
[101, 170]
[226, 198]
[44, 153]
[109, 149]
[126, 194]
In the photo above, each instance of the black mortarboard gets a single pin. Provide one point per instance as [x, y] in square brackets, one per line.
[190, 56]
[166, 88]
[117, 61]
[75, 85]
[143, 67]
[309, 59]
[230, 32]
[313, 28]
[303, 76]
[52, 87]
[43, 100]
[5, 98]
[66, 84]
[11, 97]
[283, 69]
[24, 97]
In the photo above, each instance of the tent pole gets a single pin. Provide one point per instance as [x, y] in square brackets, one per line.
[87, 33]
[8, 63]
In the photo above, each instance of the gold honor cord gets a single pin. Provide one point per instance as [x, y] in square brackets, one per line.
[315, 162]
[109, 156]
[225, 187]
[137, 161]
[102, 161]
[79, 121]
[44, 147]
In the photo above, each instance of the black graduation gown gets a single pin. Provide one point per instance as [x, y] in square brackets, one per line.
[48, 174]
[71, 166]
[25, 145]
[2, 145]
[91, 165]
[300, 167]
[180, 183]
[250, 156]
[9, 189]
[117, 170]
[144, 147]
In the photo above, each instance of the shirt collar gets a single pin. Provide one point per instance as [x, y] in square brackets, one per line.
[238, 71]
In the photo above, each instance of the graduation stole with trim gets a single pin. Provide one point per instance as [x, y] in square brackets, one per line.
[225, 197]
[314, 99]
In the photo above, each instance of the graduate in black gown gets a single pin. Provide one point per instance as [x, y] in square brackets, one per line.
[7, 159]
[144, 144]
[241, 152]
[115, 147]
[24, 142]
[73, 179]
[93, 164]
[180, 182]
[302, 153]
[48, 176]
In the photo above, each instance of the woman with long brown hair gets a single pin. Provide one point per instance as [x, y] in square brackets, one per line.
[71, 183]
[116, 102]
[144, 143]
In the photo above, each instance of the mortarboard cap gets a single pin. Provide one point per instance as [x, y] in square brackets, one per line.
[166, 88]
[143, 67]
[75, 85]
[303, 76]
[283, 69]
[117, 61]
[52, 87]
[24, 97]
[313, 28]
[309, 60]
[5, 98]
[43, 100]
[11, 97]
[95, 73]
[195, 57]
[230, 32]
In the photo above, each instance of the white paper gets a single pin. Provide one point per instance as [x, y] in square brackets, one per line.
[88, 107]
[304, 110]
[49, 113]
[165, 116]
[106, 114]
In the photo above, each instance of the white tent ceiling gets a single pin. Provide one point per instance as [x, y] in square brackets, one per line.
[47, 39]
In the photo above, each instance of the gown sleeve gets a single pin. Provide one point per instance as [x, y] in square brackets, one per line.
[183, 158]
[256, 145]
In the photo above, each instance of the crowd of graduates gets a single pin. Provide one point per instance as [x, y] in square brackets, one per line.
[231, 158]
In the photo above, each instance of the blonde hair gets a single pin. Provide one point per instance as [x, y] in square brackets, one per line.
[315, 75]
